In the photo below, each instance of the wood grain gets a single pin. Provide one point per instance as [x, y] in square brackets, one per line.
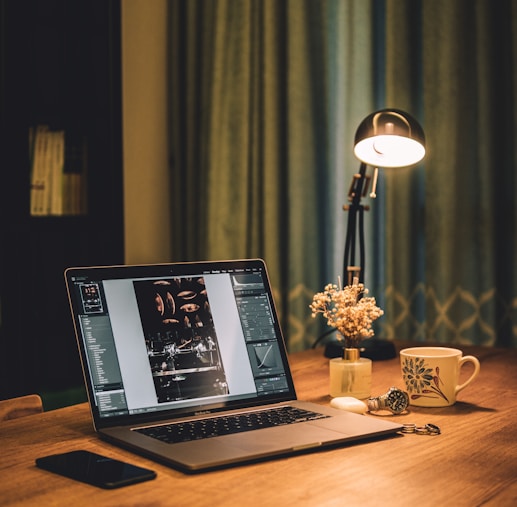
[473, 462]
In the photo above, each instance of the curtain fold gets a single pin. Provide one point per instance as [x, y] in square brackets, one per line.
[403, 200]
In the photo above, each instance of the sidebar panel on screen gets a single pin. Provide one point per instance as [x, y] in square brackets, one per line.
[102, 355]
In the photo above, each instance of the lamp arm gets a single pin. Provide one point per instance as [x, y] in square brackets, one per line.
[362, 256]
[355, 214]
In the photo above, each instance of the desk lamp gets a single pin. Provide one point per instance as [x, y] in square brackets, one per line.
[386, 138]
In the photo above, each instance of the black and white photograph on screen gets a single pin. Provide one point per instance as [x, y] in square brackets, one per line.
[180, 337]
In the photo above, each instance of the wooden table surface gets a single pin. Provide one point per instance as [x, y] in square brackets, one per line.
[473, 462]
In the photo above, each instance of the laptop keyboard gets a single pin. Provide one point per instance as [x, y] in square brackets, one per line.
[226, 425]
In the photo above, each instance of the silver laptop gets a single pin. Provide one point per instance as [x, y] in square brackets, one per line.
[185, 363]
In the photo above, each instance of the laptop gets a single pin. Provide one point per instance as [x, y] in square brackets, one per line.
[172, 351]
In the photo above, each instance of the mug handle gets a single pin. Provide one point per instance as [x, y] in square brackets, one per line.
[475, 362]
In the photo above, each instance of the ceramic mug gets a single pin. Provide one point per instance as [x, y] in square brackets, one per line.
[431, 374]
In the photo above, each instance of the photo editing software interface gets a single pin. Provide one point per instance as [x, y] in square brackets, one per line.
[182, 341]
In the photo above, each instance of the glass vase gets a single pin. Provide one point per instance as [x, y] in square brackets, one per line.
[351, 375]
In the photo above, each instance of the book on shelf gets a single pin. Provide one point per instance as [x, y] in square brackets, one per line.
[55, 198]
[58, 173]
[39, 156]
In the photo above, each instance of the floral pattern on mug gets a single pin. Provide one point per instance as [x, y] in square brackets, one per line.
[421, 381]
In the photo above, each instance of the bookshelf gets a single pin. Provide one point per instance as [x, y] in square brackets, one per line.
[60, 72]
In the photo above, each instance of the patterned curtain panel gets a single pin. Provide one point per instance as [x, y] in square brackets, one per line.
[265, 96]
[451, 225]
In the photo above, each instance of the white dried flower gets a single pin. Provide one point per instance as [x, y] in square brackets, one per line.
[348, 311]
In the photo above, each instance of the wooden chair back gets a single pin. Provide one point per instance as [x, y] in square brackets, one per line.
[20, 407]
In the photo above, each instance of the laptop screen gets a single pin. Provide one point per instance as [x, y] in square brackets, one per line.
[178, 337]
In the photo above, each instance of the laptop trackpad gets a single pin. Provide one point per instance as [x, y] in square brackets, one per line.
[295, 436]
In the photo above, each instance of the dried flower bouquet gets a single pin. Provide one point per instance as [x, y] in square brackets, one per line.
[347, 310]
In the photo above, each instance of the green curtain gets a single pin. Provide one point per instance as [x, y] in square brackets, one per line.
[451, 225]
[265, 97]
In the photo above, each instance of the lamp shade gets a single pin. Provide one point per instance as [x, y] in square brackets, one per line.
[389, 138]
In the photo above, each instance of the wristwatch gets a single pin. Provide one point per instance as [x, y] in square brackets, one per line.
[395, 400]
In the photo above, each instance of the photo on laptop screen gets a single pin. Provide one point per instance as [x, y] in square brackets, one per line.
[180, 338]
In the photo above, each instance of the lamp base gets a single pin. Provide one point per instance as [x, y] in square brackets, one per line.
[372, 348]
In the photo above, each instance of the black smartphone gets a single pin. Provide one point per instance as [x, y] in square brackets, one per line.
[86, 466]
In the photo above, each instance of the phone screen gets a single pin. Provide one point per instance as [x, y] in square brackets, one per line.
[86, 466]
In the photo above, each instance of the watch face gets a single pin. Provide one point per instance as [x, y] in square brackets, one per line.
[397, 400]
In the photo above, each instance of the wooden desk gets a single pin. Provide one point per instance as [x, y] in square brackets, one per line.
[473, 462]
